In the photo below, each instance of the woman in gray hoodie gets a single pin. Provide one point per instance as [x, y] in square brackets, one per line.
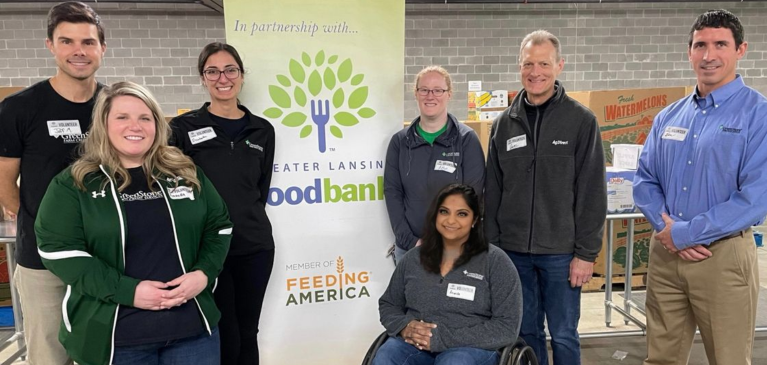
[454, 297]
[435, 150]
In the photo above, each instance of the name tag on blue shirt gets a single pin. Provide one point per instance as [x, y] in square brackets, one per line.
[675, 133]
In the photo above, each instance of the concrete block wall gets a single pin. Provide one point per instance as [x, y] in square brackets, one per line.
[606, 46]
[152, 44]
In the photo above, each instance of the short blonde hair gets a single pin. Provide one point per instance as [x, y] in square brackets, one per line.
[437, 69]
[97, 150]
[537, 38]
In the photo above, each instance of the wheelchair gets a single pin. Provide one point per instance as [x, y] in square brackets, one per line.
[518, 353]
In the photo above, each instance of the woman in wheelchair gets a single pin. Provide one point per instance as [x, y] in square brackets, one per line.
[454, 299]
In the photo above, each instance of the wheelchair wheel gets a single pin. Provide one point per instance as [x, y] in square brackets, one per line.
[373, 349]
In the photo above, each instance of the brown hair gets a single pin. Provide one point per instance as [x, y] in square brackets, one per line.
[73, 12]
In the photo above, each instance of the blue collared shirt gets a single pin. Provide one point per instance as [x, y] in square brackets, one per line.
[705, 165]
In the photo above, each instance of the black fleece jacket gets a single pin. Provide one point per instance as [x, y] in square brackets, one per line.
[240, 169]
[546, 196]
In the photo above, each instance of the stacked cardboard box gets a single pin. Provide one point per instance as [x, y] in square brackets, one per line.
[642, 233]
[8, 90]
[486, 105]
[626, 116]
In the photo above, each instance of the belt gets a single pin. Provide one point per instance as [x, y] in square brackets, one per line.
[736, 234]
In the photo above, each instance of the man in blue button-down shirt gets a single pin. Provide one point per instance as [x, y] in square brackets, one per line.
[702, 184]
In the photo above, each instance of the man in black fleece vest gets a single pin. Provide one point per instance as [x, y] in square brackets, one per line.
[545, 197]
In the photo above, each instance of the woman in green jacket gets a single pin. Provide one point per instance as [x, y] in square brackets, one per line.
[139, 235]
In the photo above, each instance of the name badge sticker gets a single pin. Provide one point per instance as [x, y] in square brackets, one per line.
[447, 166]
[202, 135]
[460, 291]
[675, 133]
[516, 142]
[181, 192]
[58, 128]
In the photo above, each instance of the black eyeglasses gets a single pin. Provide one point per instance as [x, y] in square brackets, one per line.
[424, 91]
[213, 74]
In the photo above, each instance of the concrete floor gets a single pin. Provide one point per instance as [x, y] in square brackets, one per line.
[599, 351]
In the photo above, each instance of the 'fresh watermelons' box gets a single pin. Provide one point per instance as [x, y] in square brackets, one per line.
[626, 116]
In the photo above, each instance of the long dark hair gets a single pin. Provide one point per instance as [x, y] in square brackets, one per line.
[432, 248]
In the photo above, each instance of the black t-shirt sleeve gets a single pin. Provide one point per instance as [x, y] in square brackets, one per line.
[11, 130]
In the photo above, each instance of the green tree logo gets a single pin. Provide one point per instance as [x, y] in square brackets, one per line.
[326, 81]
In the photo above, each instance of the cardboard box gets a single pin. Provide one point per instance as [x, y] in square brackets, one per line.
[626, 156]
[620, 190]
[5, 294]
[480, 102]
[642, 233]
[3, 265]
[626, 116]
[8, 90]
[489, 115]
[482, 128]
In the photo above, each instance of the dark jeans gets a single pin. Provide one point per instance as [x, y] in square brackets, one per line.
[546, 293]
[395, 351]
[196, 350]
[240, 296]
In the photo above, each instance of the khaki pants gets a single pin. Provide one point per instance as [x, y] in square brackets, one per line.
[41, 294]
[718, 295]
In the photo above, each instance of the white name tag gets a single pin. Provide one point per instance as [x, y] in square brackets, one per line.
[58, 128]
[516, 142]
[202, 135]
[675, 133]
[181, 192]
[461, 291]
[447, 166]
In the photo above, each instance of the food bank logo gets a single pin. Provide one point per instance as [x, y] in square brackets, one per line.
[341, 285]
[327, 104]
[326, 191]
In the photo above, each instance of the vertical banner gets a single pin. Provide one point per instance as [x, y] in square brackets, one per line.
[328, 75]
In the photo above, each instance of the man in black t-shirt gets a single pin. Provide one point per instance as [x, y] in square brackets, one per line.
[40, 127]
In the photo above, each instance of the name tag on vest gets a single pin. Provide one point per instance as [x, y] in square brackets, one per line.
[516, 142]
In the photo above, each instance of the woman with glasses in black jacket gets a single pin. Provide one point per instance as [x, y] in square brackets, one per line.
[236, 150]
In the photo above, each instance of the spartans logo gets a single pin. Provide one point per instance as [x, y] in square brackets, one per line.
[332, 287]
[319, 95]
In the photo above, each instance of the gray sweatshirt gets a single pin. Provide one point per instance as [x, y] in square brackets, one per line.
[412, 179]
[490, 321]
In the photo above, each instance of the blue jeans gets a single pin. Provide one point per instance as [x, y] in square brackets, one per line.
[197, 350]
[395, 351]
[546, 293]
